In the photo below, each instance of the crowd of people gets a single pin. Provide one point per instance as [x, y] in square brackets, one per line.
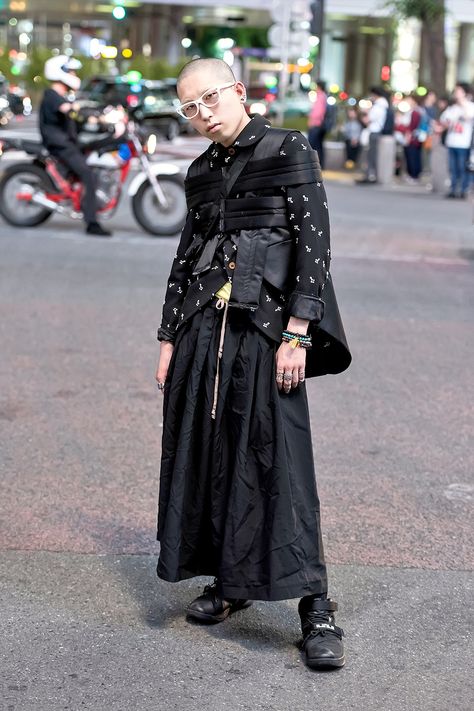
[415, 122]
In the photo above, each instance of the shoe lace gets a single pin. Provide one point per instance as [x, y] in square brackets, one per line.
[321, 623]
[211, 589]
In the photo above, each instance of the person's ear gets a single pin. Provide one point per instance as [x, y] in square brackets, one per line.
[240, 89]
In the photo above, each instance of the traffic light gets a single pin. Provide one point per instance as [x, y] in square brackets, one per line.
[119, 12]
[317, 18]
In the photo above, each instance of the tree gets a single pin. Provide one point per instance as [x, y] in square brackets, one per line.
[431, 14]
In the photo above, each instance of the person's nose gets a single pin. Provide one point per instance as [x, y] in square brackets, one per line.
[205, 112]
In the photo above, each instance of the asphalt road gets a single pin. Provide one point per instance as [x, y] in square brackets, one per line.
[85, 623]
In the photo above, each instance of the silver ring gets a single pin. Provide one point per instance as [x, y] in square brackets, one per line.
[160, 386]
[287, 377]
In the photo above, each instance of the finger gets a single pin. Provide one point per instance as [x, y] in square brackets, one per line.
[301, 375]
[287, 380]
[295, 381]
[279, 378]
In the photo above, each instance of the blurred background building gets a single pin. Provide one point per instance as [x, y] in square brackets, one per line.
[351, 44]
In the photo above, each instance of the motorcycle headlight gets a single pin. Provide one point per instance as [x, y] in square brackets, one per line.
[151, 144]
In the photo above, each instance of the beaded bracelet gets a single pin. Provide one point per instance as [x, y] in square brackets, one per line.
[296, 339]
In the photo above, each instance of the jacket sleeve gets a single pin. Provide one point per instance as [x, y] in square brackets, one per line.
[308, 218]
[178, 283]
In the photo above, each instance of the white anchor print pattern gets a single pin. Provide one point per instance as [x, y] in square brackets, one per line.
[308, 218]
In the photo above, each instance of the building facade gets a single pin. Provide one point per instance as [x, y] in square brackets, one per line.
[359, 40]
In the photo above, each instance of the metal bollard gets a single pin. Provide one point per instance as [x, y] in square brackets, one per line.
[386, 150]
[439, 166]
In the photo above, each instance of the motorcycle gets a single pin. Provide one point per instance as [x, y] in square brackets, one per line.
[30, 192]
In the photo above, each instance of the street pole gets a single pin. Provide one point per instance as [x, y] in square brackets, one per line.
[284, 57]
[317, 29]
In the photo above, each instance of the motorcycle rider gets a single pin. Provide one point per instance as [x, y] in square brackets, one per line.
[59, 132]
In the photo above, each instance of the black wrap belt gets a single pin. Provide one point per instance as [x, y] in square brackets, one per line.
[248, 213]
[298, 169]
[234, 214]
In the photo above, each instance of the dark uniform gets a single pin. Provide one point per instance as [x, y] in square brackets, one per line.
[59, 133]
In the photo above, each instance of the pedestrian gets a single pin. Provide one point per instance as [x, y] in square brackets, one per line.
[411, 128]
[377, 125]
[59, 133]
[317, 121]
[352, 130]
[458, 120]
[249, 313]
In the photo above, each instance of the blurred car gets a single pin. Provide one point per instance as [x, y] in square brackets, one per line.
[156, 109]
[150, 103]
[297, 105]
[19, 101]
[6, 113]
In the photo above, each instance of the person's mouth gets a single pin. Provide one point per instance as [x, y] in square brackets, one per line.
[213, 127]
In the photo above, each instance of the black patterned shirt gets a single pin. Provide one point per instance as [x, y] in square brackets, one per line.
[308, 220]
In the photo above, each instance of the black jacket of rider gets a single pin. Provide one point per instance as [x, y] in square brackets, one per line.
[271, 241]
[58, 129]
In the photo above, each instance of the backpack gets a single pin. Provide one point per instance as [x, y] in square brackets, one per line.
[329, 120]
[422, 131]
[389, 123]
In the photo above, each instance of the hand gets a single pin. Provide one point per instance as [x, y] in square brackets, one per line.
[166, 351]
[289, 362]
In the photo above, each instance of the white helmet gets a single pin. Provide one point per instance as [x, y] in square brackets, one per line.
[59, 68]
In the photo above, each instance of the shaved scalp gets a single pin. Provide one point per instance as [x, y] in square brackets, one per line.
[218, 67]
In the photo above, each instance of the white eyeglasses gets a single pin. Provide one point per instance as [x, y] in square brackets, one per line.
[210, 98]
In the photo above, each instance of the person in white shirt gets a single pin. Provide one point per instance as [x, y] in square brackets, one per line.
[458, 119]
[376, 125]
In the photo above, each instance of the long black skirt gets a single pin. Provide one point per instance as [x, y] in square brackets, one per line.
[238, 497]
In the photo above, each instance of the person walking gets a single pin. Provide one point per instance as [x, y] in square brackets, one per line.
[59, 133]
[317, 121]
[458, 120]
[249, 314]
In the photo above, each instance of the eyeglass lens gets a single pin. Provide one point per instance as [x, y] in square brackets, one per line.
[209, 99]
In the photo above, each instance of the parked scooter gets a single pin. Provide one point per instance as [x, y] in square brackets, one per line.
[30, 192]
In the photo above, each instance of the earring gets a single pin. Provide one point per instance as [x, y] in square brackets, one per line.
[243, 98]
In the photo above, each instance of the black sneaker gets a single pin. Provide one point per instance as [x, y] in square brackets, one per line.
[210, 608]
[322, 640]
[366, 181]
[94, 228]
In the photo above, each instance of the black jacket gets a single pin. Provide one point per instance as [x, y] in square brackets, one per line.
[58, 130]
[270, 237]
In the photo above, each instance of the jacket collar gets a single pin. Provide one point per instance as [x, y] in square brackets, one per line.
[252, 133]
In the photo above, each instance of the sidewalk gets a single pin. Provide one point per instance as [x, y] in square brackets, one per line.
[101, 633]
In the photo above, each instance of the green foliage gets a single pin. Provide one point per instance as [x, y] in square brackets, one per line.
[35, 68]
[155, 68]
[5, 66]
[32, 74]
[424, 10]
[206, 38]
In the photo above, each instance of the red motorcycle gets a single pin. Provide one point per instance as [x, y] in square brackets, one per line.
[30, 192]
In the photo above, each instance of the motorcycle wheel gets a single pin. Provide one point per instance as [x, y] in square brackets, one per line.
[23, 213]
[159, 221]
